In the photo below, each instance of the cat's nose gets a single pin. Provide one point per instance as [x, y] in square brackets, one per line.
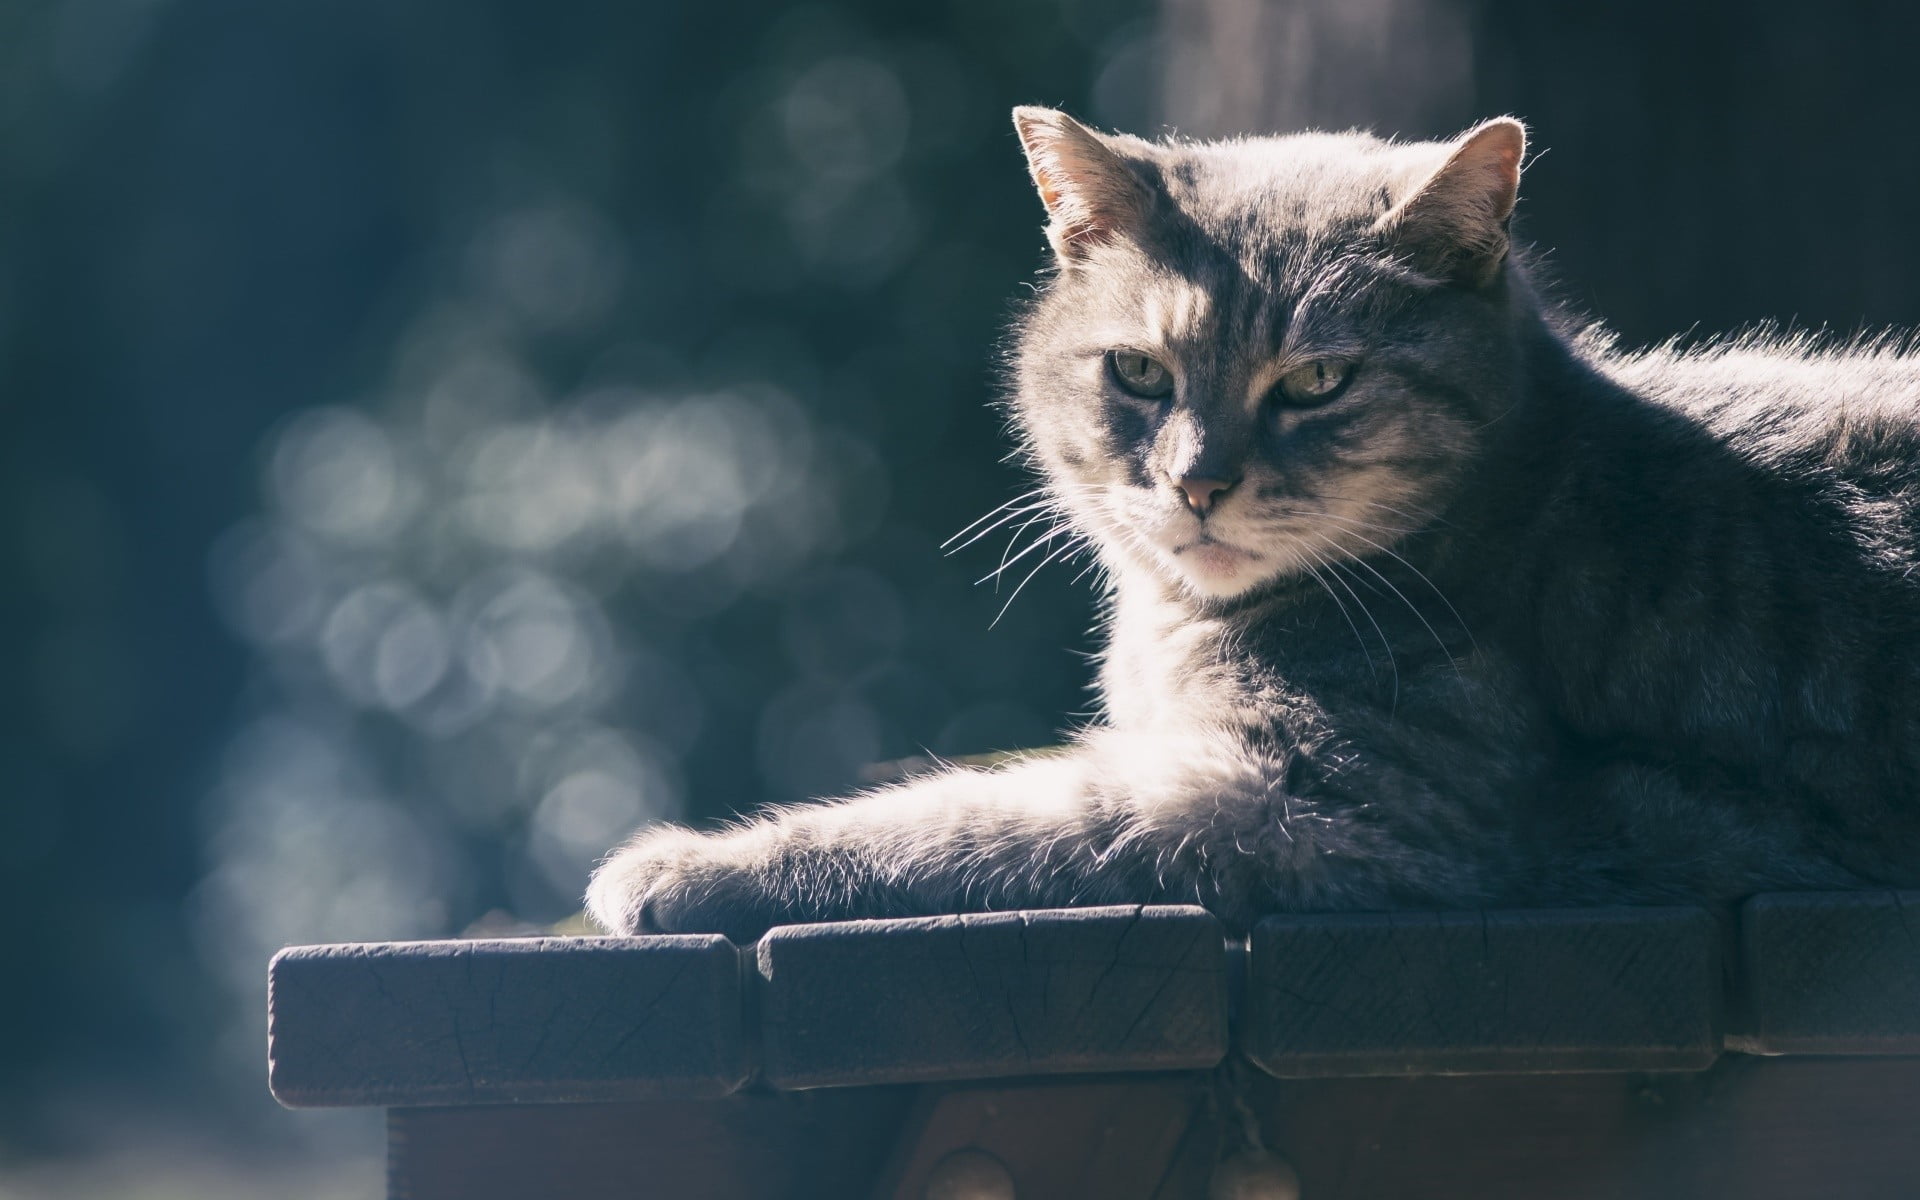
[1203, 494]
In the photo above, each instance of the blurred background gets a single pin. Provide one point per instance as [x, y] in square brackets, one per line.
[436, 438]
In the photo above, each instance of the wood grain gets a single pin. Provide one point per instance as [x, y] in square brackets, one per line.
[1414, 993]
[532, 1020]
[987, 995]
[1831, 973]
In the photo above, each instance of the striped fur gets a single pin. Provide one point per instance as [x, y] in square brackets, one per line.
[1519, 618]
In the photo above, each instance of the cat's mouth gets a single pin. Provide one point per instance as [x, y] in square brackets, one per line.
[1206, 555]
[1207, 566]
[1208, 546]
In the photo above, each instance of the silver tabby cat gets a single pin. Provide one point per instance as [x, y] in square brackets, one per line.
[1417, 594]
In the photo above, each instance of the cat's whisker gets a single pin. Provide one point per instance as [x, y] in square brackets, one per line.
[1420, 517]
[1005, 513]
[1027, 519]
[1030, 494]
[1390, 553]
[1334, 567]
[1357, 636]
[1327, 516]
[1061, 552]
[1049, 514]
[1034, 505]
[1433, 587]
[1403, 530]
[1007, 563]
[1003, 520]
[1362, 563]
[1093, 563]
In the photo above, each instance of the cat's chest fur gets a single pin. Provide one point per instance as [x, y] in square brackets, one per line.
[1259, 673]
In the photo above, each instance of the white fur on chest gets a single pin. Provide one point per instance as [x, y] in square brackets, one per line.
[1166, 670]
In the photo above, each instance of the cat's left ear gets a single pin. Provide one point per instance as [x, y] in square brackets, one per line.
[1454, 224]
[1092, 196]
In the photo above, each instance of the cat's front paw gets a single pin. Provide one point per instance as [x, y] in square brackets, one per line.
[675, 880]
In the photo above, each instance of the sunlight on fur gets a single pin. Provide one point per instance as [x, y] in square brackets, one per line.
[1415, 590]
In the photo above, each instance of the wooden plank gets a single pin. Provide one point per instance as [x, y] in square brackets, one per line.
[997, 994]
[1831, 973]
[530, 1020]
[1518, 991]
[742, 1147]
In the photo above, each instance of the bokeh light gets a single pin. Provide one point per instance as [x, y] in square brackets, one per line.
[634, 517]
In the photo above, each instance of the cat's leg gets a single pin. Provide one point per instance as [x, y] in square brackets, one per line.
[1032, 834]
[1125, 818]
[1218, 820]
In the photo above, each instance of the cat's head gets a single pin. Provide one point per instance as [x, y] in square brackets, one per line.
[1261, 354]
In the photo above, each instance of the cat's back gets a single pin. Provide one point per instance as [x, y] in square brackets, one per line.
[1729, 523]
[1790, 405]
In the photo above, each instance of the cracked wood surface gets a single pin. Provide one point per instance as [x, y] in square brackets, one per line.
[1006, 995]
[536, 1019]
[983, 995]
[1435, 993]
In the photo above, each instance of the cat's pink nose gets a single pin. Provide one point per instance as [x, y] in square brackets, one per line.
[1203, 493]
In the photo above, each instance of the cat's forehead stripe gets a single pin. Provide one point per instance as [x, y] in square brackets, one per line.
[1178, 311]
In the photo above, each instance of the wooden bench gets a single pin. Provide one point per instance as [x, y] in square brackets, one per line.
[1123, 1052]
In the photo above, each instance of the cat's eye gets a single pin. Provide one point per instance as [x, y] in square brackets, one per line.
[1139, 375]
[1314, 383]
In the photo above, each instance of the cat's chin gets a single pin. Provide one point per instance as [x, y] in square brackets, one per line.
[1217, 571]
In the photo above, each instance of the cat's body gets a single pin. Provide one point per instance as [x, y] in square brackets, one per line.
[1417, 597]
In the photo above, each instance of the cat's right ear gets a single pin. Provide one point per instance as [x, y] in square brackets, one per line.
[1092, 196]
[1455, 221]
